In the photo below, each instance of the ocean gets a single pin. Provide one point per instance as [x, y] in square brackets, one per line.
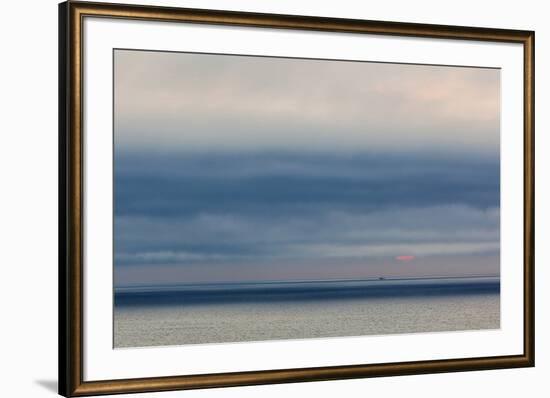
[259, 311]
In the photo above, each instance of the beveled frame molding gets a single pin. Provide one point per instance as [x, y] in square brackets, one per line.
[71, 16]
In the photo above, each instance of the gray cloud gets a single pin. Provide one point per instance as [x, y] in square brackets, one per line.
[202, 101]
[228, 237]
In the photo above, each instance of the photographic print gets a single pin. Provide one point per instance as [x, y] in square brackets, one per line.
[265, 198]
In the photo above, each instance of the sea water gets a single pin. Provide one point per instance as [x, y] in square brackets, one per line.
[260, 311]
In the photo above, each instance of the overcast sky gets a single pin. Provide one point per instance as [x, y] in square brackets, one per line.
[232, 168]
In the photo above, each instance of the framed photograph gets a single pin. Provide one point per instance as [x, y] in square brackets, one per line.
[253, 199]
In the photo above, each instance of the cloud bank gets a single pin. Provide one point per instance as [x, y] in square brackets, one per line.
[245, 168]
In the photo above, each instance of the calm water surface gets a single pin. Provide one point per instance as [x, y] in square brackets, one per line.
[217, 313]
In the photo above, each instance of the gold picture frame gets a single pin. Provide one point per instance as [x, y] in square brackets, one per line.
[71, 239]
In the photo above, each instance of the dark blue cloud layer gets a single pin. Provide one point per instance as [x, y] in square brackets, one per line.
[279, 208]
[282, 184]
